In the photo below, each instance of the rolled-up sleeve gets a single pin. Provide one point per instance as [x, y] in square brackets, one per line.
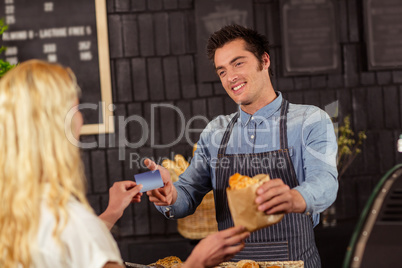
[193, 184]
[319, 149]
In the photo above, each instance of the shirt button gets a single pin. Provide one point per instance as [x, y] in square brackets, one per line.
[252, 137]
[252, 118]
[308, 213]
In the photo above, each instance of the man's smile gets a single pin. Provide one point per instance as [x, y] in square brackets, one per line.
[237, 87]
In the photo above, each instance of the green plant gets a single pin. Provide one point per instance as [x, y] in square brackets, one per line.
[3, 28]
[348, 146]
[5, 66]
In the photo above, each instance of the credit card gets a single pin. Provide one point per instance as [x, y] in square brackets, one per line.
[150, 180]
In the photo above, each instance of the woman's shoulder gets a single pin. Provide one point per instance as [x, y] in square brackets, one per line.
[83, 235]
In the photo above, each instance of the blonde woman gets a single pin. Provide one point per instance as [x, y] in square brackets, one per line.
[45, 218]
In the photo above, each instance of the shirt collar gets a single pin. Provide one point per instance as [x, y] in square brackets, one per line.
[265, 112]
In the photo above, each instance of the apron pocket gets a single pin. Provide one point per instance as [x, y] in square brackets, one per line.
[269, 251]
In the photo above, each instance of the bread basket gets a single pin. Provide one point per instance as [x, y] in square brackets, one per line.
[281, 264]
[203, 222]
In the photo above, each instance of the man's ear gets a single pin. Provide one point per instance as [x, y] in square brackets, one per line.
[266, 61]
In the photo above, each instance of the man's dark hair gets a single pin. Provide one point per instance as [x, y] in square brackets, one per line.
[256, 43]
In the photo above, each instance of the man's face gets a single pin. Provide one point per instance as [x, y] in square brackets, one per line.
[243, 76]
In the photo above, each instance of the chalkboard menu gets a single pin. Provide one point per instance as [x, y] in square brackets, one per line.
[383, 29]
[210, 17]
[309, 37]
[72, 33]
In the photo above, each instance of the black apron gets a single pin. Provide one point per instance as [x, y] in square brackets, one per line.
[292, 239]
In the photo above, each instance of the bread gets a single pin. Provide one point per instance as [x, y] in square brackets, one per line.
[172, 165]
[169, 262]
[194, 148]
[247, 264]
[241, 195]
[181, 162]
[176, 167]
[238, 181]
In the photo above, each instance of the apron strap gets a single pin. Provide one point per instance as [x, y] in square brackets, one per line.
[283, 124]
[226, 135]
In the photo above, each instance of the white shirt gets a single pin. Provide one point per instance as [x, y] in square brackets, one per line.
[86, 241]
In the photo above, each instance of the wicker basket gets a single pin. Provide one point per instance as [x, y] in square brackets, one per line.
[282, 264]
[202, 222]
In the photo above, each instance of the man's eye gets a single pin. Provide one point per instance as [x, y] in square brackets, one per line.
[222, 73]
[238, 63]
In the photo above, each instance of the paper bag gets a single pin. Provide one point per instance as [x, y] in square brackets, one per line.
[244, 209]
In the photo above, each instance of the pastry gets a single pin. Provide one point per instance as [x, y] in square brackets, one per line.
[238, 181]
[169, 262]
[247, 264]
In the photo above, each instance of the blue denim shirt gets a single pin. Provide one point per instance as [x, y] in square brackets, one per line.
[312, 145]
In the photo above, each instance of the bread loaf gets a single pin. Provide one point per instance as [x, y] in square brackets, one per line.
[247, 264]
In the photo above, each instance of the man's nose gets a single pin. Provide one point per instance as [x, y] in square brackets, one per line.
[232, 77]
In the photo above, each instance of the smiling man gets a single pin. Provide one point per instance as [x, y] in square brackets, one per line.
[244, 77]
[294, 144]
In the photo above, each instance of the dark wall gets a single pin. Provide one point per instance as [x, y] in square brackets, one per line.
[153, 60]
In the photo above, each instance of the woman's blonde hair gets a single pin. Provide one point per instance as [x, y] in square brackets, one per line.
[35, 97]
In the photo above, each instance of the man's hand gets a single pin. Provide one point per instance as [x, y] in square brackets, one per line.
[121, 194]
[217, 248]
[166, 195]
[274, 196]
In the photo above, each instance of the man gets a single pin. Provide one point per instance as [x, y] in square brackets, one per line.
[294, 144]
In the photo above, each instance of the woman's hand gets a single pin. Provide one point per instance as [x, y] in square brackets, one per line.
[121, 194]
